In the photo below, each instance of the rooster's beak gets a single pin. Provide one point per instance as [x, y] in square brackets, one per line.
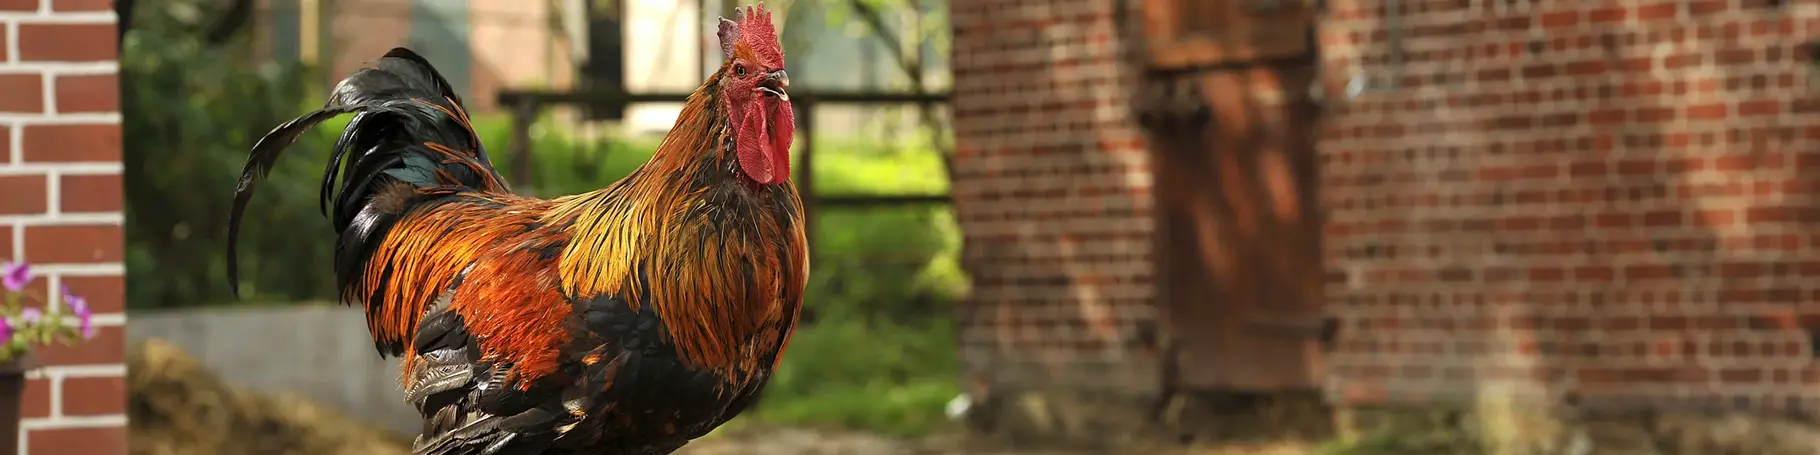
[775, 84]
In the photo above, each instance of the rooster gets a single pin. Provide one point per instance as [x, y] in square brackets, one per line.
[627, 321]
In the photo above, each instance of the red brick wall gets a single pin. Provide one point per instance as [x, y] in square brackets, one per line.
[1607, 203]
[60, 177]
[1051, 186]
[1601, 203]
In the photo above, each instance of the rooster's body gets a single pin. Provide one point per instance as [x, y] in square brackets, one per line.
[624, 321]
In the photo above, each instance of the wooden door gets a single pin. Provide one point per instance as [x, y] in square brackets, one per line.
[1200, 33]
[1238, 231]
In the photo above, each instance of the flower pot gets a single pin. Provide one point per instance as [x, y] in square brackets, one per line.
[12, 395]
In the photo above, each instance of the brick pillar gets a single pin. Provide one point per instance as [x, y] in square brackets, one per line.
[1052, 189]
[61, 210]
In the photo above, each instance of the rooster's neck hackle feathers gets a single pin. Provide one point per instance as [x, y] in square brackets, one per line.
[725, 250]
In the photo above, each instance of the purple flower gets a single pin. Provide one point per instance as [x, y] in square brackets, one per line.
[79, 306]
[6, 330]
[31, 315]
[76, 303]
[14, 275]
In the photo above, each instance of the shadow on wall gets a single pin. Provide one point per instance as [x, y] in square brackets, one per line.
[1532, 233]
[1725, 198]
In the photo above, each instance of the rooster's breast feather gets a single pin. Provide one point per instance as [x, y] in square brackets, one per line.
[679, 343]
[721, 276]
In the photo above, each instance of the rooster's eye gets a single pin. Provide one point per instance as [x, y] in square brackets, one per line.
[739, 70]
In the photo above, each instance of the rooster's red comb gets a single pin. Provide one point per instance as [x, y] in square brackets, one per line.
[752, 25]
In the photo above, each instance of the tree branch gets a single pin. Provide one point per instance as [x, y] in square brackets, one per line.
[876, 20]
[911, 65]
[123, 13]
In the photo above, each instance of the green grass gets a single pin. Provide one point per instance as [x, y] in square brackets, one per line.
[887, 378]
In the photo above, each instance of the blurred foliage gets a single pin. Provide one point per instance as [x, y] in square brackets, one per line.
[877, 348]
[865, 18]
[191, 111]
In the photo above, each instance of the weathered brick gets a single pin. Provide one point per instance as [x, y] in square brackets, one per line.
[91, 193]
[37, 399]
[109, 439]
[88, 94]
[81, 5]
[74, 244]
[94, 395]
[24, 93]
[6, 243]
[1673, 170]
[25, 194]
[67, 42]
[72, 143]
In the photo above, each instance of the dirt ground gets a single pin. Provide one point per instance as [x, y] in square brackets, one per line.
[178, 407]
[813, 442]
[175, 406]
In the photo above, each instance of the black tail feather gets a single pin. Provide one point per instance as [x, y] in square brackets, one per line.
[409, 126]
[265, 153]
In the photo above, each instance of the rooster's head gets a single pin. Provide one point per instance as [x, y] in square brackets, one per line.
[753, 83]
